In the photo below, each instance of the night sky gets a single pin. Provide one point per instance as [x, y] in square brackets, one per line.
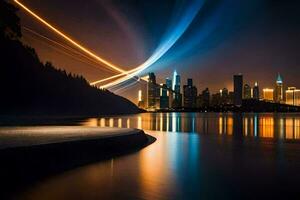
[258, 38]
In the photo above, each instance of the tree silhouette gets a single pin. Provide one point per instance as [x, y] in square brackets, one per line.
[9, 21]
[30, 87]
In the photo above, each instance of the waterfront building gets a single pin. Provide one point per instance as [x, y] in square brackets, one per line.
[238, 89]
[189, 94]
[256, 91]
[153, 92]
[164, 97]
[177, 102]
[279, 89]
[247, 92]
[292, 96]
[268, 94]
[141, 102]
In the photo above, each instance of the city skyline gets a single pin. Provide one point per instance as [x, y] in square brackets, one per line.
[176, 94]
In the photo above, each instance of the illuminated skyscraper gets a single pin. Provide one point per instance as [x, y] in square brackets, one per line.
[189, 94]
[279, 90]
[153, 92]
[174, 80]
[256, 91]
[164, 97]
[268, 94]
[238, 89]
[141, 102]
[177, 95]
[292, 96]
[247, 92]
[169, 83]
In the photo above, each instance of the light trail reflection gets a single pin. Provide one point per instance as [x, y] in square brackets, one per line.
[249, 125]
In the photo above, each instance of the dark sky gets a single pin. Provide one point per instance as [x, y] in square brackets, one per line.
[258, 38]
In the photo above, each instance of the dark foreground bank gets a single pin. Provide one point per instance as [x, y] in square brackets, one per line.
[30, 156]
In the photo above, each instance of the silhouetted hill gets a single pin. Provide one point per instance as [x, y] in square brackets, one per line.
[28, 86]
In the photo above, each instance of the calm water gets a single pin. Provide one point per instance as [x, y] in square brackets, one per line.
[196, 156]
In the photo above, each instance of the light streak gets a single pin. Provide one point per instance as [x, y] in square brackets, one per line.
[92, 62]
[87, 51]
[169, 40]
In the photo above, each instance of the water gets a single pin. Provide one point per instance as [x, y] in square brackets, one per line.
[196, 156]
[277, 126]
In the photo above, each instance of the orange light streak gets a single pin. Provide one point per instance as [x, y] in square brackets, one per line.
[90, 53]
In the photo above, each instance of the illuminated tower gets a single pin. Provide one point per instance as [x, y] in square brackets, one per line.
[279, 89]
[238, 89]
[174, 80]
[256, 91]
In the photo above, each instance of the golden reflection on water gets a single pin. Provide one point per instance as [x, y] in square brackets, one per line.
[281, 126]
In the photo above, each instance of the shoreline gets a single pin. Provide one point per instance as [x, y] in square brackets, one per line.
[23, 165]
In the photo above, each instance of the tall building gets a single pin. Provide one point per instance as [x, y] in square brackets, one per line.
[238, 89]
[292, 96]
[153, 92]
[141, 102]
[169, 83]
[189, 94]
[268, 94]
[247, 92]
[256, 91]
[174, 79]
[164, 97]
[224, 96]
[169, 91]
[279, 89]
[177, 102]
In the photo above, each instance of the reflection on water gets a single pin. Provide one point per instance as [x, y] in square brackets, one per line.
[189, 166]
[277, 126]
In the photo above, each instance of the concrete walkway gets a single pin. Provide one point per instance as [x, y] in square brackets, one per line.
[39, 135]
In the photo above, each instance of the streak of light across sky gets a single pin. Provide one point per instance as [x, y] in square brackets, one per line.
[103, 61]
[167, 42]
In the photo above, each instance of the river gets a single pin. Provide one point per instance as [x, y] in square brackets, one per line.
[195, 156]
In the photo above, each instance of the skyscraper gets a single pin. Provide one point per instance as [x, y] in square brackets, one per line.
[238, 89]
[177, 95]
[279, 89]
[224, 94]
[169, 83]
[164, 97]
[141, 102]
[247, 92]
[189, 94]
[256, 91]
[153, 92]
